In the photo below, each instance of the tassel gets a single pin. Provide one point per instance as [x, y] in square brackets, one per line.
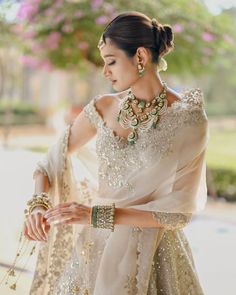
[21, 251]
[13, 286]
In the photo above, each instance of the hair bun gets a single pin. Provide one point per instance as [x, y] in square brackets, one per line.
[169, 35]
[166, 39]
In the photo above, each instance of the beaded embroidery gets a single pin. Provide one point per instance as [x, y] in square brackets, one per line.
[172, 221]
[117, 159]
[59, 253]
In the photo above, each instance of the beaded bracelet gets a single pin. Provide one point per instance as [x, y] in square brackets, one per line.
[38, 200]
[103, 216]
[10, 278]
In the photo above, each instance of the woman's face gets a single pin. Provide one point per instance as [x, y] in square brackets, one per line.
[118, 68]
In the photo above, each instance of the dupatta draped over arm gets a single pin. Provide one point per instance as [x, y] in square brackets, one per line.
[164, 173]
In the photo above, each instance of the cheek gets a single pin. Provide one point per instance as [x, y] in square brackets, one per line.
[126, 75]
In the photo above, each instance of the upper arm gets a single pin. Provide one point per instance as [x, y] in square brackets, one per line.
[82, 131]
[87, 122]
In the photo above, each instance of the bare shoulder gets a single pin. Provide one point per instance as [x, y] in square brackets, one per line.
[103, 101]
[106, 101]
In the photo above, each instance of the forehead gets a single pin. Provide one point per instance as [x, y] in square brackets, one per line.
[109, 49]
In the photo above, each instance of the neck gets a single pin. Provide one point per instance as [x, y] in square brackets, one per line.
[147, 87]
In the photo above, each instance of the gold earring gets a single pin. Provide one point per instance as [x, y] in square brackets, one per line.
[141, 69]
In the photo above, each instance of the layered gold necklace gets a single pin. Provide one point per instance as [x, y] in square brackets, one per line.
[147, 116]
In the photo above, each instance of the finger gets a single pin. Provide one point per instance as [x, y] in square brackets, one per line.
[25, 232]
[69, 220]
[64, 214]
[60, 211]
[34, 229]
[74, 207]
[27, 236]
[43, 223]
[60, 219]
[63, 205]
[30, 231]
[39, 226]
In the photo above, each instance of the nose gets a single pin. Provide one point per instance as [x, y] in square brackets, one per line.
[105, 71]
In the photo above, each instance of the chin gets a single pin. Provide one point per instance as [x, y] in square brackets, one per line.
[120, 88]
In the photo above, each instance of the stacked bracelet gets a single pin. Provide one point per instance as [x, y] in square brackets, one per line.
[38, 200]
[103, 216]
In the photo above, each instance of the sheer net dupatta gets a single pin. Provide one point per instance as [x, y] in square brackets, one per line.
[64, 187]
[172, 184]
[121, 263]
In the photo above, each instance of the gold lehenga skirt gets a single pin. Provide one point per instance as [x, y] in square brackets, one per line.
[173, 269]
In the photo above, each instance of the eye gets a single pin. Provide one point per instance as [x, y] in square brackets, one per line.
[111, 63]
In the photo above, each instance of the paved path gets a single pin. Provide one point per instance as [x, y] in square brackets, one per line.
[212, 234]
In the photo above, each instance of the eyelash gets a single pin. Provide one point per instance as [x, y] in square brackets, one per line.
[111, 63]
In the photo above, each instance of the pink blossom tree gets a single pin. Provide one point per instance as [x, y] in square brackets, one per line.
[66, 33]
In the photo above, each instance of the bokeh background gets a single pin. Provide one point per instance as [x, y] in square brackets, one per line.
[50, 68]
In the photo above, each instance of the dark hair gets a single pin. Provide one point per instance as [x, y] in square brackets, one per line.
[132, 29]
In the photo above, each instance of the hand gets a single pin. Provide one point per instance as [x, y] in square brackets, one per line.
[35, 226]
[68, 213]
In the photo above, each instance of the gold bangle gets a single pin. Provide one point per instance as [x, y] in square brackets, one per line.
[37, 205]
[38, 200]
[104, 217]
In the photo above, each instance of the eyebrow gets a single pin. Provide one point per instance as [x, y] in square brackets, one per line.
[108, 55]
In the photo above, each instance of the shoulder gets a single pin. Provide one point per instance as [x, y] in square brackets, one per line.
[192, 104]
[193, 97]
[190, 110]
[105, 101]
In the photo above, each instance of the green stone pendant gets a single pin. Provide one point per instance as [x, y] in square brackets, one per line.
[142, 104]
[135, 122]
[154, 124]
[132, 137]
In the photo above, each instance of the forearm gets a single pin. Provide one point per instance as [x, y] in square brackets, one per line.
[133, 217]
[41, 183]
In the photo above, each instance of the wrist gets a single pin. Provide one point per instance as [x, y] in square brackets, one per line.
[102, 216]
[38, 209]
[90, 209]
[38, 201]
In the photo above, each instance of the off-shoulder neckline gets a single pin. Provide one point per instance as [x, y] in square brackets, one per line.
[174, 105]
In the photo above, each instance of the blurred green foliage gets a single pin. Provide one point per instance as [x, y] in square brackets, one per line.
[221, 160]
[221, 151]
[20, 113]
[225, 184]
[65, 34]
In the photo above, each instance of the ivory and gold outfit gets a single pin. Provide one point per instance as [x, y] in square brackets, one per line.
[164, 173]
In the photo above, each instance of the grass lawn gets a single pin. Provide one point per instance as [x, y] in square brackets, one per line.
[221, 152]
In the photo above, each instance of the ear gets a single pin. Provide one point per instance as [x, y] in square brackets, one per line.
[142, 55]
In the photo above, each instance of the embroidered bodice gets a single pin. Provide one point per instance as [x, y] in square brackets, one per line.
[134, 256]
[117, 158]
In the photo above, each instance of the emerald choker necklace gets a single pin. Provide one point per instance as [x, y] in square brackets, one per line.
[147, 115]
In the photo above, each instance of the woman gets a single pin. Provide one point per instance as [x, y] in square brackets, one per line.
[115, 227]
